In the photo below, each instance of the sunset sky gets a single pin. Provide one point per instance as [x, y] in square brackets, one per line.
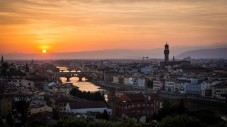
[28, 26]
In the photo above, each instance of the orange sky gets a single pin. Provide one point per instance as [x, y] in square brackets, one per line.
[83, 25]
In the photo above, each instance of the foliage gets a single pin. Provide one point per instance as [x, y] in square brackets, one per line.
[82, 122]
[26, 68]
[10, 120]
[103, 115]
[55, 114]
[15, 72]
[21, 111]
[180, 121]
[168, 109]
[171, 109]
[37, 124]
[4, 68]
[207, 117]
[150, 84]
[2, 124]
[95, 96]
[180, 109]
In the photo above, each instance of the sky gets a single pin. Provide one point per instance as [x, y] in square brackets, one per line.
[28, 26]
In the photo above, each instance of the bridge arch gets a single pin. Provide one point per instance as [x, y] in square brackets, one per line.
[68, 75]
[79, 69]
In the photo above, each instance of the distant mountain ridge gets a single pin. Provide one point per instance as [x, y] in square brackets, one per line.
[100, 54]
[218, 53]
[178, 52]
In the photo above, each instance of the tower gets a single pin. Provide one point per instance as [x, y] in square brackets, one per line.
[2, 60]
[166, 52]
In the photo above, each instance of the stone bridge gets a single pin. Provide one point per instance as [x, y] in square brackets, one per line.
[68, 75]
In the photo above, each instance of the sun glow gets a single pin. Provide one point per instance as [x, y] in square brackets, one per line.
[44, 51]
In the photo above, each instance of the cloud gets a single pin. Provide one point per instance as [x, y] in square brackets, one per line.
[129, 21]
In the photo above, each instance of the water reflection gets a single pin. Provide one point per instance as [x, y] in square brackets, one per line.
[83, 86]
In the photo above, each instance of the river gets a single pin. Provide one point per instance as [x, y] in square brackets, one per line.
[83, 85]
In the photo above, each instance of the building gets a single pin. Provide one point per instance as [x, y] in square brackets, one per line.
[157, 85]
[206, 89]
[193, 88]
[22, 83]
[219, 90]
[84, 107]
[128, 81]
[116, 79]
[6, 102]
[182, 84]
[136, 105]
[169, 86]
[167, 62]
[108, 75]
[146, 70]
[140, 82]
[34, 109]
[166, 52]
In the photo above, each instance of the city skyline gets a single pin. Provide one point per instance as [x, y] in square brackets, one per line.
[75, 26]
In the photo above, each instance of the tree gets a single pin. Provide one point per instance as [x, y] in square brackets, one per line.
[181, 107]
[10, 120]
[180, 121]
[168, 109]
[55, 114]
[2, 124]
[149, 83]
[82, 122]
[5, 67]
[94, 96]
[21, 111]
[103, 115]
[208, 117]
[26, 68]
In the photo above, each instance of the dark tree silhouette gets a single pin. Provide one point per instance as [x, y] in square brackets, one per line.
[26, 68]
[180, 121]
[21, 110]
[181, 107]
[94, 96]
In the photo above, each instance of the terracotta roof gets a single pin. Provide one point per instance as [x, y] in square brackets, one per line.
[221, 85]
[87, 104]
[135, 97]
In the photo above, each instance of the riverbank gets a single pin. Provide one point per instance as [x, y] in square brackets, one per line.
[111, 86]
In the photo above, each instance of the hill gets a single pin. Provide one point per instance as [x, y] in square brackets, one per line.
[218, 53]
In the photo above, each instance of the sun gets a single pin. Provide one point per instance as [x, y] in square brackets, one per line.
[44, 51]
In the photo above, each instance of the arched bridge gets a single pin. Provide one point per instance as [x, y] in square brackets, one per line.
[68, 75]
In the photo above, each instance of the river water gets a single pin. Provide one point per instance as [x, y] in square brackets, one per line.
[83, 85]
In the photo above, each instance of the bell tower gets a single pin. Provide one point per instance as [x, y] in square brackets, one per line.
[166, 52]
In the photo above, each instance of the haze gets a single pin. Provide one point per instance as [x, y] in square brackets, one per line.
[28, 26]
